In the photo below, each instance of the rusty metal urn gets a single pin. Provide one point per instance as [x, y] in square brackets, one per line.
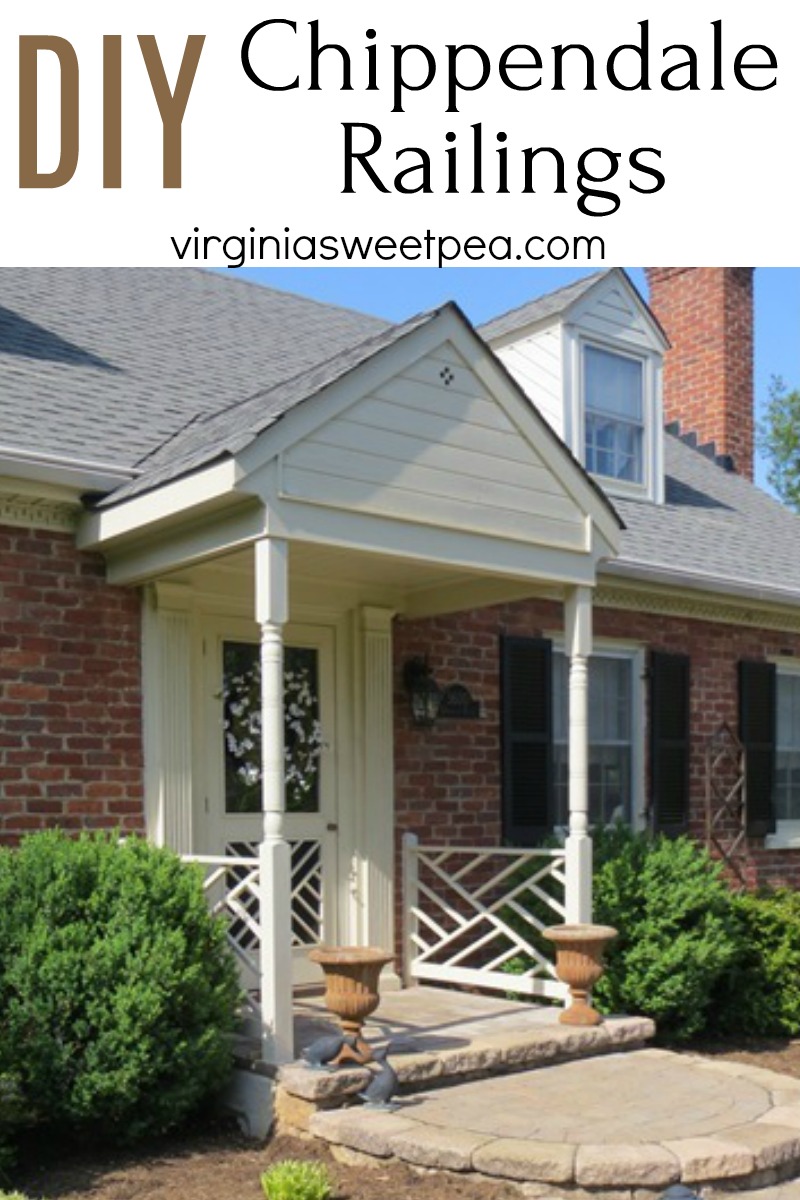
[579, 964]
[351, 991]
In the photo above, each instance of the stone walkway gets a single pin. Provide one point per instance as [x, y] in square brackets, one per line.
[623, 1123]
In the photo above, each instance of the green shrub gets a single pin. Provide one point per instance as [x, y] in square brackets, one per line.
[12, 1117]
[677, 935]
[760, 996]
[116, 987]
[293, 1179]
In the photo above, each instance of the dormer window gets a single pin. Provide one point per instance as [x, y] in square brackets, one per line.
[613, 387]
[590, 359]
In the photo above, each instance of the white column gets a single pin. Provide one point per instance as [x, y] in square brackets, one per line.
[578, 630]
[168, 717]
[272, 611]
[377, 818]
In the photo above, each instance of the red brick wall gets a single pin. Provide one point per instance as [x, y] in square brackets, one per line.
[707, 314]
[70, 690]
[448, 777]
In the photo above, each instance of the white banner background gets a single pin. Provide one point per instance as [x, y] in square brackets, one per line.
[253, 158]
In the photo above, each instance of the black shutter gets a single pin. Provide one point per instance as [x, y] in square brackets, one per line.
[669, 742]
[527, 739]
[757, 704]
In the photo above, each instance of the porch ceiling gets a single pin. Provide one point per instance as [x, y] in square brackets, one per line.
[338, 578]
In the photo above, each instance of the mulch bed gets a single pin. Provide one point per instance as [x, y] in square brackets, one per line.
[218, 1164]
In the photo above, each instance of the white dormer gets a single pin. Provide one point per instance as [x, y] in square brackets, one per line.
[590, 358]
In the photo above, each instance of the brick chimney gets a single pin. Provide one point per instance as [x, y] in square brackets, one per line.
[707, 314]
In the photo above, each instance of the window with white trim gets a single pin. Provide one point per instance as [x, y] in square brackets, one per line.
[613, 401]
[614, 736]
[787, 747]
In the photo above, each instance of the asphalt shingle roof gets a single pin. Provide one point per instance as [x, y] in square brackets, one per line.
[536, 310]
[715, 526]
[162, 371]
[226, 432]
[108, 364]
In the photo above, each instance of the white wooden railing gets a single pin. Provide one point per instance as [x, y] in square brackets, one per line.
[472, 914]
[233, 887]
[233, 890]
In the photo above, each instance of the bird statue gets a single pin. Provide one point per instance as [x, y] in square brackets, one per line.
[322, 1051]
[384, 1083]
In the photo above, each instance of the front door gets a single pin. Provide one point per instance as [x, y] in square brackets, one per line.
[232, 822]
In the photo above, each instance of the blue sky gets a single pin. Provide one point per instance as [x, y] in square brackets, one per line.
[396, 293]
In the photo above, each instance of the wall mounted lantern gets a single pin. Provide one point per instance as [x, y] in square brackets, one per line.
[429, 702]
[423, 691]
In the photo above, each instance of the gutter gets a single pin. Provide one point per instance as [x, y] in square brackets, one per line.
[697, 582]
[80, 474]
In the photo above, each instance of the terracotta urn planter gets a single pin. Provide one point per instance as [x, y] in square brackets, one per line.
[579, 964]
[351, 991]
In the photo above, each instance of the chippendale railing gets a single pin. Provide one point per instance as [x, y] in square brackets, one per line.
[473, 915]
[232, 884]
[232, 888]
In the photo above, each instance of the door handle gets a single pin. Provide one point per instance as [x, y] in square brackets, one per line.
[332, 827]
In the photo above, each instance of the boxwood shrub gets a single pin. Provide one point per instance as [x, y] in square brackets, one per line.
[677, 935]
[117, 990]
[760, 995]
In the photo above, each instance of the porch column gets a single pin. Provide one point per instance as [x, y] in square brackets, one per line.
[272, 611]
[167, 690]
[578, 628]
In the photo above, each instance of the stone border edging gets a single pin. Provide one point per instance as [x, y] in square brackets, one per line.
[765, 1148]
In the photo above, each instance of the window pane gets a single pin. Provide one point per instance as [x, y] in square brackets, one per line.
[613, 384]
[613, 389]
[787, 764]
[241, 722]
[610, 738]
[613, 448]
[302, 732]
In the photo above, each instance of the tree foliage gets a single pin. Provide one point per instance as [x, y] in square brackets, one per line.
[779, 438]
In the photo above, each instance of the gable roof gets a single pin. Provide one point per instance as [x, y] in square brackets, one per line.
[157, 372]
[228, 430]
[559, 303]
[107, 364]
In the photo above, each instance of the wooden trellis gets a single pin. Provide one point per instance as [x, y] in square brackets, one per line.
[726, 799]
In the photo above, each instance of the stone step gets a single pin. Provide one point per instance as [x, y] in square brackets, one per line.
[520, 1047]
[621, 1125]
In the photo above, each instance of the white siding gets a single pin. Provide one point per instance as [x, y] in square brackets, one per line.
[536, 362]
[433, 446]
[610, 314]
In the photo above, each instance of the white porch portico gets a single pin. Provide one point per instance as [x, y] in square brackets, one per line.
[410, 476]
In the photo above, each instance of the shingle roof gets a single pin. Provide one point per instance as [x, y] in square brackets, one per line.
[211, 436]
[108, 364]
[170, 369]
[715, 527]
[536, 310]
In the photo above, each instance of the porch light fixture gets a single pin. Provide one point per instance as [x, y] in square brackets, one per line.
[423, 691]
[429, 702]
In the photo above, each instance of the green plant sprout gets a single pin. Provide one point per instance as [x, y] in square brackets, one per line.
[294, 1179]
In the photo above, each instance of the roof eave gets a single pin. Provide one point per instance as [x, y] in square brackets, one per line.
[696, 581]
[79, 475]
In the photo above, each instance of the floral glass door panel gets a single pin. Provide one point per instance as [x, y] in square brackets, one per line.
[241, 723]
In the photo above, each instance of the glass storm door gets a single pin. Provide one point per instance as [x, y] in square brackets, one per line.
[234, 821]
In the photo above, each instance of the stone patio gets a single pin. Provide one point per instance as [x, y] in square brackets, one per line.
[438, 1035]
[502, 1090]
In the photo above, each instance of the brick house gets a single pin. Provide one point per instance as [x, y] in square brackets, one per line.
[209, 488]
